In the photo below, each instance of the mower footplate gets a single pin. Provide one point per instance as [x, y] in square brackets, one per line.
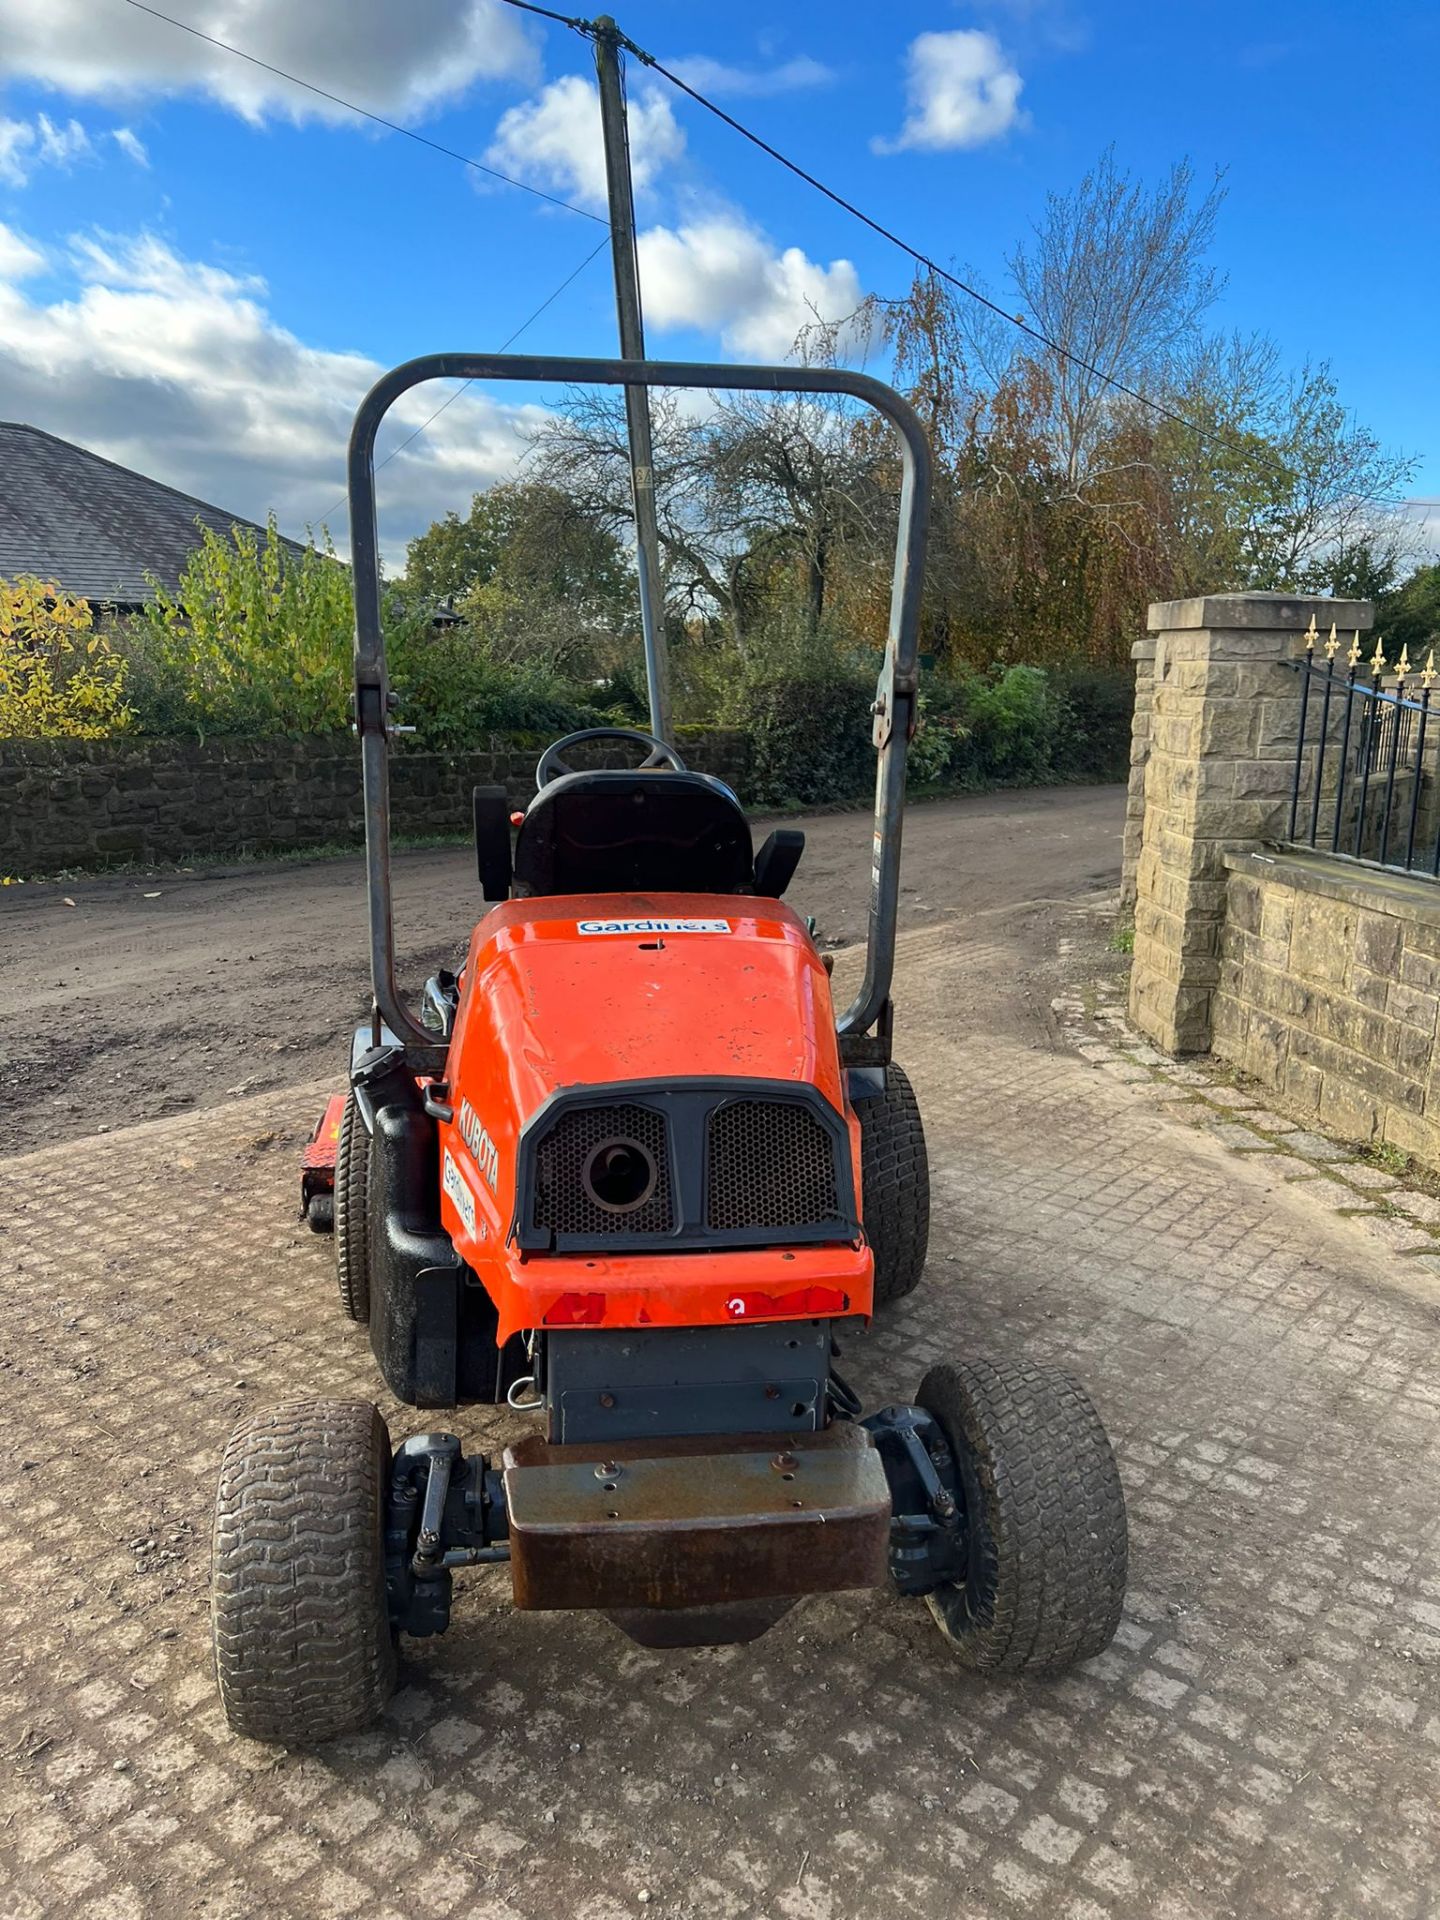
[696, 1522]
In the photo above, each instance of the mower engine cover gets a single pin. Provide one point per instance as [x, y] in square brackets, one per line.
[631, 1077]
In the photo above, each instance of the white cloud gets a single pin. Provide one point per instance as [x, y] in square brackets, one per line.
[177, 369]
[60, 146]
[789, 76]
[26, 145]
[131, 145]
[554, 140]
[961, 90]
[20, 259]
[15, 137]
[721, 275]
[396, 60]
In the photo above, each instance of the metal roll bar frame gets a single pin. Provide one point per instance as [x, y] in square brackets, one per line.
[895, 699]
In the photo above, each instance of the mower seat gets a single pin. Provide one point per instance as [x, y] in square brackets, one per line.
[652, 831]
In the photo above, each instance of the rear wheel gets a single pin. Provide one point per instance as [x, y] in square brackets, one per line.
[1044, 1512]
[353, 1152]
[895, 1186]
[303, 1646]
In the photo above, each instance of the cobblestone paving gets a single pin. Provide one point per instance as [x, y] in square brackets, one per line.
[1263, 1739]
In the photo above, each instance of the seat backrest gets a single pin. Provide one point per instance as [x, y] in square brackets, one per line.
[612, 831]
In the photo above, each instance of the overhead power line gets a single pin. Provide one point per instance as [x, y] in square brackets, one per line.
[587, 29]
[364, 113]
[504, 347]
[1207, 435]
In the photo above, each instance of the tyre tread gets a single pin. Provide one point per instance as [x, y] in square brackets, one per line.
[895, 1186]
[302, 1640]
[1053, 1538]
[352, 1213]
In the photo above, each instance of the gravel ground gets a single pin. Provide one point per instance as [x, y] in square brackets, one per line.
[1262, 1741]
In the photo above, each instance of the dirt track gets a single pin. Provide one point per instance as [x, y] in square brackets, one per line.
[132, 997]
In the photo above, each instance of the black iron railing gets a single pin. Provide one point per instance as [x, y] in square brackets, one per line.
[1362, 787]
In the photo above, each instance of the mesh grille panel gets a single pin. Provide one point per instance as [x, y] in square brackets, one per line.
[771, 1165]
[561, 1203]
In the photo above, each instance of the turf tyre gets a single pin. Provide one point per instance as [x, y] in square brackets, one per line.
[303, 1645]
[895, 1186]
[353, 1153]
[1045, 1512]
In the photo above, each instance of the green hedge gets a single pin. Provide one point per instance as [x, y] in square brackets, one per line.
[809, 731]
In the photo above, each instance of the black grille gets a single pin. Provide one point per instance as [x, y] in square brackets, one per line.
[772, 1164]
[561, 1203]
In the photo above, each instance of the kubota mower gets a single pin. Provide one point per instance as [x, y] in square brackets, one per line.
[629, 1173]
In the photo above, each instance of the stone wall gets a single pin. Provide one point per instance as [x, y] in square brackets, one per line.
[1217, 777]
[106, 803]
[1329, 990]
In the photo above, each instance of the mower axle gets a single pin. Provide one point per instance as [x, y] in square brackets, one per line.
[445, 1511]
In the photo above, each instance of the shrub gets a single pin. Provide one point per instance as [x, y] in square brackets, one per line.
[452, 692]
[59, 678]
[254, 639]
[809, 727]
[939, 736]
[1013, 721]
[1094, 738]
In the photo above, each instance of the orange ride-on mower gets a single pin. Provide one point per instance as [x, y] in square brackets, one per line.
[629, 1173]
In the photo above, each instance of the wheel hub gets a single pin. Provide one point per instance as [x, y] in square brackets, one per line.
[929, 1538]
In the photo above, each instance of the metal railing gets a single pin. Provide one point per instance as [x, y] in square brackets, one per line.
[1360, 757]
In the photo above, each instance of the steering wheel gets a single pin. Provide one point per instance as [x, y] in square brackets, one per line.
[553, 764]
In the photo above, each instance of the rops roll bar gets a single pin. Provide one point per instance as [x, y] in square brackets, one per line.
[895, 695]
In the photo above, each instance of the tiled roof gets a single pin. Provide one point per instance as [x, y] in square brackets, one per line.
[95, 528]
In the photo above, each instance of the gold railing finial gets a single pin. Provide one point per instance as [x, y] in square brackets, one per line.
[1332, 645]
[1428, 675]
[1377, 659]
[1352, 658]
[1311, 636]
[1402, 665]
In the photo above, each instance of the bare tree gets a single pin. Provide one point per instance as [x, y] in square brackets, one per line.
[1115, 276]
[796, 478]
[743, 486]
[584, 451]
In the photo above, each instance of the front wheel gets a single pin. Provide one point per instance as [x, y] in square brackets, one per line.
[303, 1645]
[1044, 1512]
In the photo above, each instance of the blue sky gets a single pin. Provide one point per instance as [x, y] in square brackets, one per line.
[200, 271]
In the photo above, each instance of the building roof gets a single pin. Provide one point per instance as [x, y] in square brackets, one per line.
[95, 528]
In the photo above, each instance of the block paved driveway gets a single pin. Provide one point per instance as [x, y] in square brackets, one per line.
[1263, 1740]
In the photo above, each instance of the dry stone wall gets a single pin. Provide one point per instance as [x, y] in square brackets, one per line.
[1329, 992]
[92, 804]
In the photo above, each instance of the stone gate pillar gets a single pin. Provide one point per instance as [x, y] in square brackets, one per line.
[1217, 777]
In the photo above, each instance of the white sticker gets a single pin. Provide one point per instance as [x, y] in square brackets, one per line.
[653, 926]
[458, 1188]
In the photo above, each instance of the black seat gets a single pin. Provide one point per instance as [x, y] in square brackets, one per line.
[652, 831]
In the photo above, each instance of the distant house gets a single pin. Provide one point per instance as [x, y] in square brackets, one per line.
[95, 528]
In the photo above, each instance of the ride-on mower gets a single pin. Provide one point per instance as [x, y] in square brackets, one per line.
[629, 1173]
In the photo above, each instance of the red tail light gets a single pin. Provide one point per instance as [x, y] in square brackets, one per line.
[576, 1310]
